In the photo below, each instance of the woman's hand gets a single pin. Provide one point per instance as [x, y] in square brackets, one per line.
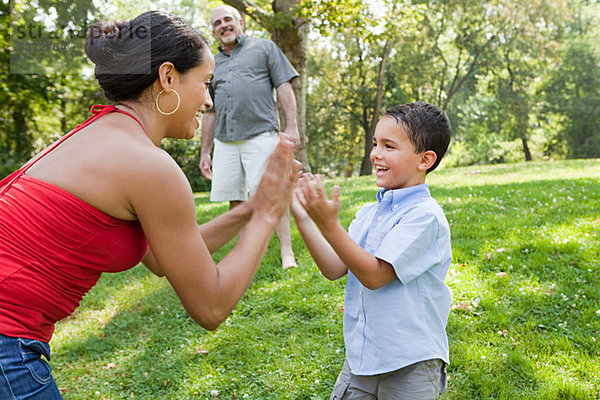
[274, 192]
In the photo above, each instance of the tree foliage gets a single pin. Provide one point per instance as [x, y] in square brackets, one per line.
[519, 80]
[483, 62]
[35, 91]
[573, 93]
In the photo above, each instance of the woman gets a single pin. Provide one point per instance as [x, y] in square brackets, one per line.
[106, 196]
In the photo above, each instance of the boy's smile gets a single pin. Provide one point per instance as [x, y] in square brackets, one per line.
[380, 170]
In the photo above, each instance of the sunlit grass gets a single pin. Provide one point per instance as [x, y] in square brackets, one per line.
[525, 322]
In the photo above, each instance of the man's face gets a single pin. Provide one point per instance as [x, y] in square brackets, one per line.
[226, 29]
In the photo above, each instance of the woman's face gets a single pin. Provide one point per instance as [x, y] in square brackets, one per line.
[194, 96]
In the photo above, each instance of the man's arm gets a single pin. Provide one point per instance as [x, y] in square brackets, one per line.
[208, 134]
[287, 100]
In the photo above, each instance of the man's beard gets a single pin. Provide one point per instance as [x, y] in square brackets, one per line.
[229, 39]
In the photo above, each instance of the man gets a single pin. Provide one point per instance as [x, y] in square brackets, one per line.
[244, 125]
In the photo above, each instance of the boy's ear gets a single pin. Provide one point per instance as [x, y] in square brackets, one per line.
[428, 158]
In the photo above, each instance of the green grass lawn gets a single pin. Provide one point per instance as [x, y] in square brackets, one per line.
[525, 322]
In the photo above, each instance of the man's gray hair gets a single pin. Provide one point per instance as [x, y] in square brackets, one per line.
[234, 11]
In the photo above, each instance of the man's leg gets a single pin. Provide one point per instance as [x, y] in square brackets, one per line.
[229, 179]
[255, 157]
[233, 204]
[285, 241]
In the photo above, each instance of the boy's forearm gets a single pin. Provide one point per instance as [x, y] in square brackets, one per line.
[328, 262]
[370, 271]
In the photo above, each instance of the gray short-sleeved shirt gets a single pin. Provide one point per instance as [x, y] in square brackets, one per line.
[242, 88]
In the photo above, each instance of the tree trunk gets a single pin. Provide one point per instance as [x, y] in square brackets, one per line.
[366, 167]
[292, 39]
[526, 148]
[63, 118]
[23, 141]
[518, 106]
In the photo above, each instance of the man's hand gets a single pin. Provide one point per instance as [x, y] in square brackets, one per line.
[293, 135]
[205, 163]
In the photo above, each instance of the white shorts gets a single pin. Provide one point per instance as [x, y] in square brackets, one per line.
[238, 166]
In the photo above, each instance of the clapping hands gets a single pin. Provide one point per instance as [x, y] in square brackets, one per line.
[310, 200]
[274, 193]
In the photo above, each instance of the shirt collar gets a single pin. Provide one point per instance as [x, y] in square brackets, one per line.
[400, 195]
[240, 41]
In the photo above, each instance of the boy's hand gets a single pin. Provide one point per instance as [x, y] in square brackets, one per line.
[314, 200]
[298, 210]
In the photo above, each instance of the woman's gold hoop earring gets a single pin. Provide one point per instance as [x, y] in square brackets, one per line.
[176, 108]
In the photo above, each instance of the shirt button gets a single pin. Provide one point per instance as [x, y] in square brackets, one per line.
[380, 218]
[395, 206]
[361, 318]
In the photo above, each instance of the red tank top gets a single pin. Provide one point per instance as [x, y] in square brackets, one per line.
[54, 247]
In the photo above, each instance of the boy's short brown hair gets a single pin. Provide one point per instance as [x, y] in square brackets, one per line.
[427, 127]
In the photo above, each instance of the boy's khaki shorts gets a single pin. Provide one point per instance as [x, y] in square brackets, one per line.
[425, 380]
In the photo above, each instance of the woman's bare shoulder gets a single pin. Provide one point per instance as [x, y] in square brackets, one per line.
[151, 172]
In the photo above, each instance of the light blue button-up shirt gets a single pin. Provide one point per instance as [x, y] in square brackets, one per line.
[403, 322]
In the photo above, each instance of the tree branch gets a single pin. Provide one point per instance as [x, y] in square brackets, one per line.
[252, 10]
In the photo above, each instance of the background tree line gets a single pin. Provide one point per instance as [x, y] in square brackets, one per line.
[520, 80]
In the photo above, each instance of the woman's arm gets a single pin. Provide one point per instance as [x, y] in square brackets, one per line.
[165, 207]
[216, 233]
[219, 231]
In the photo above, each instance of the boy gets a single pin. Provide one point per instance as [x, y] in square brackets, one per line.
[396, 254]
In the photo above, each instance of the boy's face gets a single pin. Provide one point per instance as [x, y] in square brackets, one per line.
[393, 156]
